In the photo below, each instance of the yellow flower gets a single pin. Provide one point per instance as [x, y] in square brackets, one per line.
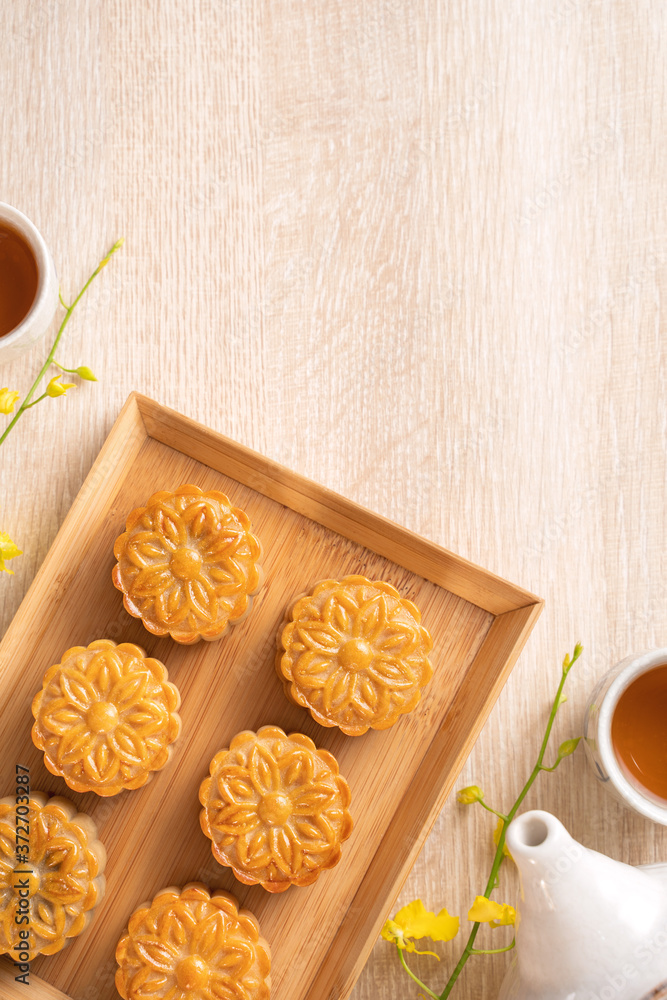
[55, 388]
[7, 551]
[466, 796]
[415, 921]
[487, 911]
[496, 838]
[8, 398]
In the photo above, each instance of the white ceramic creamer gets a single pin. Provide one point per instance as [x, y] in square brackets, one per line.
[588, 928]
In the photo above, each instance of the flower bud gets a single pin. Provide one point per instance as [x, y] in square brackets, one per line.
[466, 796]
[568, 747]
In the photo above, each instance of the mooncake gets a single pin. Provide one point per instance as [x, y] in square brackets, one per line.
[106, 717]
[192, 945]
[188, 564]
[354, 653]
[275, 809]
[50, 883]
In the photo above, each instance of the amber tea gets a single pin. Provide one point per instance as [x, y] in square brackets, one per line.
[639, 730]
[18, 279]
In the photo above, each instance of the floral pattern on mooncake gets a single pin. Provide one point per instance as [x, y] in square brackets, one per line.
[106, 717]
[355, 654]
[192, 945]
[275, 809]
[61, 872]
[188, 564]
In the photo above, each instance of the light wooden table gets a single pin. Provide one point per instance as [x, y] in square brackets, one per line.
[413, 250]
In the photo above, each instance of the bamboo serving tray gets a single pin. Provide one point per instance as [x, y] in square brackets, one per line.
[320, 935]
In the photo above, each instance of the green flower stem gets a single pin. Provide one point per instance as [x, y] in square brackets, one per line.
[26, 404]
[70, 371]
[498, 858]
[494, 811]
[494, 951]
[412, 975]
[35, 401]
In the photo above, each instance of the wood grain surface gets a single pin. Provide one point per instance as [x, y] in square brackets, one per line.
[415, 251]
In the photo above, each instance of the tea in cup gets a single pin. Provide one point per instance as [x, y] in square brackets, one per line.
[28, 284]
[625, 732]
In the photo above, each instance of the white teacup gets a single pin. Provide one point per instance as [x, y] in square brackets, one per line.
[597, 734]
[37, 320]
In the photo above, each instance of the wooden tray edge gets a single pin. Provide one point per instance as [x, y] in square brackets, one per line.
[433, 562]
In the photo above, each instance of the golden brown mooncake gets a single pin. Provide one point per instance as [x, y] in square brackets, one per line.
[354, 653]
[106, 717]
[60, 868]
[275, 809]
[188, 564]
[192, 945]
